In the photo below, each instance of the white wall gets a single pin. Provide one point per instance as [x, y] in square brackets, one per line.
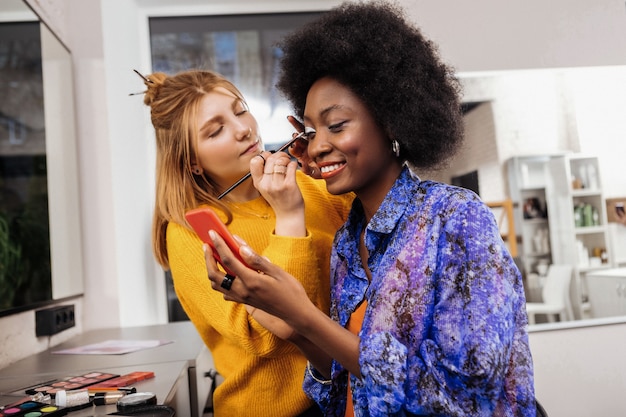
[21, 326]
[487, 35]
[123, 284]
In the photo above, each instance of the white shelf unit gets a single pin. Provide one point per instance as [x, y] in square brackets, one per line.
[575, 180]
[528, 177]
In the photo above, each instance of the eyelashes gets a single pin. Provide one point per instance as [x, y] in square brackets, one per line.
[336, 127]
[309, 132]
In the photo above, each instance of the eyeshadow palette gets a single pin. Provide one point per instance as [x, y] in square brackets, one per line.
[70, 383]
[32, 409]
[123, 381]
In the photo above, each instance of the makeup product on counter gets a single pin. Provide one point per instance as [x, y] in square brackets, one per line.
[122, 381]
[32, 408]
[125, 390]
[136, 400]
[73, 400]
[37, 398]
[71, 383]
[16, 403]
[107, 397]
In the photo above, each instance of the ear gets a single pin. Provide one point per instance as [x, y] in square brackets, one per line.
[196, 169]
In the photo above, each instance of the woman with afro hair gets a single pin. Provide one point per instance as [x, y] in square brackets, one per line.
[427, 306]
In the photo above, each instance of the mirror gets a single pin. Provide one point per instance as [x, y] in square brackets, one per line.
[559, 111]
[40, 240]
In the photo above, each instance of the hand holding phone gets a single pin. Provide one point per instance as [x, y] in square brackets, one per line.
[204, 219]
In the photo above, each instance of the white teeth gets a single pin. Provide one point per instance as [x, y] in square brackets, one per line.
[329, 168]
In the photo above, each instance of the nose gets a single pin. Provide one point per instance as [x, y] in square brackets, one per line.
[318, 145]
[243, 132]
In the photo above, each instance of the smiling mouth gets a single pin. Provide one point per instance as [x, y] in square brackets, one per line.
[330, 168]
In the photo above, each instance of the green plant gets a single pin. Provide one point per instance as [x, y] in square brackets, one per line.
[11, 276]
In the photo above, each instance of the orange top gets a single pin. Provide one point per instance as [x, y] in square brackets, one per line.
[354, 325]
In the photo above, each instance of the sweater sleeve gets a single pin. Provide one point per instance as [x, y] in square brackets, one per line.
[306, 258]
[206, 307]
[298, 257]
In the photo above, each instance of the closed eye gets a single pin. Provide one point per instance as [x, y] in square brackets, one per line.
[216, 132]
[337, 127]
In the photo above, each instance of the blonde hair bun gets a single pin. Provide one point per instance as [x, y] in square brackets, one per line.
[153, 82]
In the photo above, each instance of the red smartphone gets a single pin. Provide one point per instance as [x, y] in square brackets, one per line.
[204, 219]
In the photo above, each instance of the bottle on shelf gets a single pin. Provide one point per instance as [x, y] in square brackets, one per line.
[587, 215]
[595, 261]
[592, 177]
[595, 217]
[541, 241]
[578, 215]
[583, 176]
[604, 256]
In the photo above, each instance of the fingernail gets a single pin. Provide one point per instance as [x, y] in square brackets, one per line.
[246, 250]
[212, 234]
[204, 247]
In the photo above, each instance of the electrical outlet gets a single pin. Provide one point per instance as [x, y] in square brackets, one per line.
[54, 320]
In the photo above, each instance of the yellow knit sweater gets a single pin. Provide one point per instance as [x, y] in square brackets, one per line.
[262, 374]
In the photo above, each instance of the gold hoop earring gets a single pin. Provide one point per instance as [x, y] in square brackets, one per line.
[395, 147]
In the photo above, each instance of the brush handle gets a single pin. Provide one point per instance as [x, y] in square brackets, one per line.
[248, 175]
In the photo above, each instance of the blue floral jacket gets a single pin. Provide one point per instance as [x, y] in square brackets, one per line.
[445, 330]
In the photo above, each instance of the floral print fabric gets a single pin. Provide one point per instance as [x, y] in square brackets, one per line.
[444, 333]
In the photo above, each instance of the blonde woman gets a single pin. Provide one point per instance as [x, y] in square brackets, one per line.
[207, 140]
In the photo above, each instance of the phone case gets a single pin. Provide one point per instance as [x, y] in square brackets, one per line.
[204, 219]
